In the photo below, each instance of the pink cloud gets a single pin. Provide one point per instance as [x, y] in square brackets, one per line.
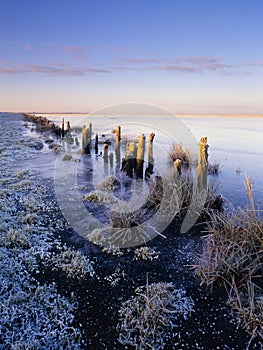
[55, 70]
[176, 64]
[179, 68]
[140, 60]
[8, 70]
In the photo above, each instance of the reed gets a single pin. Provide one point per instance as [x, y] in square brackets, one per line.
[233, 257]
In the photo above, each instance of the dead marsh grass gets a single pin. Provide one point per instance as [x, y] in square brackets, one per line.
[233, 257]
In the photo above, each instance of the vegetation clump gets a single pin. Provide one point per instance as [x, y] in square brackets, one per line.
[103, 197]
[67, 157]
[233, 257]
[184, 155]
[148, 316]
[213, 168]
[114, 250]
[73, 263]
[109, 183]
[145, 253]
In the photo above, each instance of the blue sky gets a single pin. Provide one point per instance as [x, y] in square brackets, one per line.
[187, 56]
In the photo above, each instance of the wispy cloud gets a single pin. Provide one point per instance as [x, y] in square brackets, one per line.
[76, 51]
[51, 70]
[179, 64]
[189, 65]
[140, 60]
[252, 64]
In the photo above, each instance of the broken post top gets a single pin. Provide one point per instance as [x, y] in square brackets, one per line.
[141, 137]
[151, 136]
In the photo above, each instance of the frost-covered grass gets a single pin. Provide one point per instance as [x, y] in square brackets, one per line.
[145, 253]
[115, 278]
[147, 318]
[73, 263]
[104, 197]
[109, 183]
[233, 257]
[113, 250]
[33, 314]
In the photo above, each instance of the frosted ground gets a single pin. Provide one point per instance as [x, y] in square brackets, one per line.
[59, 292]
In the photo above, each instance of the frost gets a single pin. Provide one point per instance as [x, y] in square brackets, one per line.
[145, 253]
[151, 314]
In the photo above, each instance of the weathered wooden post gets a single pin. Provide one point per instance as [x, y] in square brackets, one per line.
[149, 169]
[118, 146]
[105, 154]
[118, 152]
[202, 164]
[111, 160]
[129, 161]
[140, 156]
[96, 143]
[118, 134]
[90, 134]
[85, 140]
[63, 128]
[68, 127]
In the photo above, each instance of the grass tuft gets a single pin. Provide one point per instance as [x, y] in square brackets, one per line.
[233, 257]
[147, 318]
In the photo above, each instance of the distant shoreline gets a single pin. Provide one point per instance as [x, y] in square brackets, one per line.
[221, 115]
[179, 115]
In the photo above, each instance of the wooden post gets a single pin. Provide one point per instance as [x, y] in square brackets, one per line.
[118, 147]
[63, 128]
[87, 148]
[202, 164]
[111, 160]
[85, 140]
[203, 150]
[68, 127]
[140, 156]
[96, 144]
[129, 161]
[118, 134]
[149, 169]
[90, 134]
[105, 154]
[118, 153]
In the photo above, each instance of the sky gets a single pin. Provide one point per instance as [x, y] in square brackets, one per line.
[186, 56]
